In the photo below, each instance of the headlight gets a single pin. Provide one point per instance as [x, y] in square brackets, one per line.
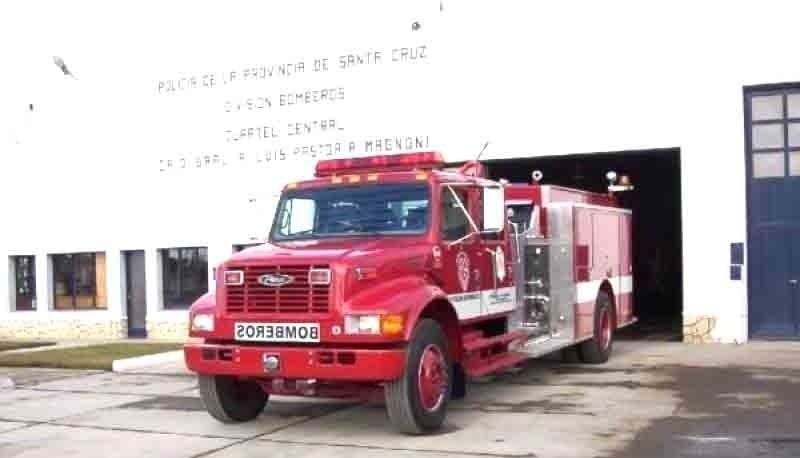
[374, 324]
[203, 322]
[363, 324]
[319, 277]
[234, 277]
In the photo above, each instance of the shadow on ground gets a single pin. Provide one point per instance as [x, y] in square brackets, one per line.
[725, 412]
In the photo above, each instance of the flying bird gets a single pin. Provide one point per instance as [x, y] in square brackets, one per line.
[60, 63]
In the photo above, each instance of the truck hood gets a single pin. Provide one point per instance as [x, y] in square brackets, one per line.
[327, 251]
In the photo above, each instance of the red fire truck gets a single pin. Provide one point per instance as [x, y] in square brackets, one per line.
[394, 277]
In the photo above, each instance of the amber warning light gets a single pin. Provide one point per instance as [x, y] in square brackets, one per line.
[406, 161]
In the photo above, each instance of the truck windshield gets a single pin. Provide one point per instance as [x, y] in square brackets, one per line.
[386, 209]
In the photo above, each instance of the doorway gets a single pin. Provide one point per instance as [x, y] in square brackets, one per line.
[772, 158]
[657, 229]
[135, 293]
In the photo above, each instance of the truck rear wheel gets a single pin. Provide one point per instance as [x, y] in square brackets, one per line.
[597, 350]
[231, 400]
[417, 402]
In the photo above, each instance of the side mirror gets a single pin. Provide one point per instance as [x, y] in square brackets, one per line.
[494, 214]
[533, 226]
[509, 216]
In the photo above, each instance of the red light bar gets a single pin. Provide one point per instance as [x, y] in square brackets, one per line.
[404, 161]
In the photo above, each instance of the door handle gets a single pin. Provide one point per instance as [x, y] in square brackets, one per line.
[793, 282]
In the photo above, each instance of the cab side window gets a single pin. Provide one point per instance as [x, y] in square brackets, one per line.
[454, 222]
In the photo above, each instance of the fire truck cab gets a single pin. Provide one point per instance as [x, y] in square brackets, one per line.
[393, 277]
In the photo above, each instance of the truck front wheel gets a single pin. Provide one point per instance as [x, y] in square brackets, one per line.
[417, 402]
[231, 400]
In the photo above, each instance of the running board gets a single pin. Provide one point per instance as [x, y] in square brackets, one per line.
[516, 353]
[483, 342]
[484, 355]
[633, 320]
[536, 347]
[502, 361]
[520, 347]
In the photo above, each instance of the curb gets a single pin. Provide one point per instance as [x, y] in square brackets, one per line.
[139, 362]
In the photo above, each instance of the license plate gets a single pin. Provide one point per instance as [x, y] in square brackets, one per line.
[277, 332]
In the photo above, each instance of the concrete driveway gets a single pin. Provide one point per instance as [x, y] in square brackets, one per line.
[653, 399]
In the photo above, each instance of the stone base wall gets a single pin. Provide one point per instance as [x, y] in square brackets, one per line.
[696, 329]
[64, 329]
[168, 330]
[699, 329]
[89, 329]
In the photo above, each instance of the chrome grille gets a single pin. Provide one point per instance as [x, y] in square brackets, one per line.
[297, 297]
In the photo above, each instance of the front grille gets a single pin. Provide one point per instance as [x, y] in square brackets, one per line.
[297, 297]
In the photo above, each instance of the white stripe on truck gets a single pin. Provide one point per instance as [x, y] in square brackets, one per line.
[474, 304]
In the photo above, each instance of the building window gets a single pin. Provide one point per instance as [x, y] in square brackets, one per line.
[23, 282]
[775, 134]
[184, 275]
[79, 281]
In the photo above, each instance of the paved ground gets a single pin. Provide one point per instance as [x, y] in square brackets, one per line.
[654, 399]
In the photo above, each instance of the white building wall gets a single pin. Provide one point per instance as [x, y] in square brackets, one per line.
[83, 170]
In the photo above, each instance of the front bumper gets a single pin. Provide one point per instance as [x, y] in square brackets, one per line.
[345, 364]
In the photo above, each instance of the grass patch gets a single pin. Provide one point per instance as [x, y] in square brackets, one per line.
[97, 357]
[15, 345]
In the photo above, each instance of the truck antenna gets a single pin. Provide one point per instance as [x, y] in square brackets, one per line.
[482, 150]
[473, 167]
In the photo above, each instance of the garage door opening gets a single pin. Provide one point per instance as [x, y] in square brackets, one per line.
[656, 205]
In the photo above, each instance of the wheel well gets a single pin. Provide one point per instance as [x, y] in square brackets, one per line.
[444, 313]
[606, 288]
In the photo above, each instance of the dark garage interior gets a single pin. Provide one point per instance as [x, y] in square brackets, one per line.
[656, 205]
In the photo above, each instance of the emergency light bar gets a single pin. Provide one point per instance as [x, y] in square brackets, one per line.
[404, 161]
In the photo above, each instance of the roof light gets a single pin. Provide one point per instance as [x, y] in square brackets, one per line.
[404, 161]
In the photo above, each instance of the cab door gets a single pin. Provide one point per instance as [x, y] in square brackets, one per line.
[461, 257]
[497, 291]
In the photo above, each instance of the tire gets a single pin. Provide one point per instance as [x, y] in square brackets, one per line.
[458, 390]
[230, 400]
[598, 349]
[409, 411]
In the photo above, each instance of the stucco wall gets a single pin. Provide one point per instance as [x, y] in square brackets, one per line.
[531, 78]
